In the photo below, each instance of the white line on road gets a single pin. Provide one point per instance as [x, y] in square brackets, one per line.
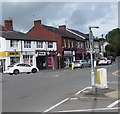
[113, 104]
[65, 100]
[88, 110]
[56, 105]
[82, 90]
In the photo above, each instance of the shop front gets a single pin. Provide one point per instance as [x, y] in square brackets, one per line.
[41, 59]
[68, 56]
[28, 57]
[80, 55]
[7, 58]
[46, 60]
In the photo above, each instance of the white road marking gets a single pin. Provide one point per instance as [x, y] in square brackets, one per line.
[82, 90]
[88, 110]
[65, 100]
[113, 104]
[56, 105]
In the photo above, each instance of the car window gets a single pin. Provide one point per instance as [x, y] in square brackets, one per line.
[19, 65]
[26, 65]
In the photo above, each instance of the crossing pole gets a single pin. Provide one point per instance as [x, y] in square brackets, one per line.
[91, 57]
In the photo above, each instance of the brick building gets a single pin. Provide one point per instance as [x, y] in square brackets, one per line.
[70, 43]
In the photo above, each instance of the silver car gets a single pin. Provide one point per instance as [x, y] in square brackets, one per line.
[81, 64]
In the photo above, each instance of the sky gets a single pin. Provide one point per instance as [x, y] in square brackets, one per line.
[76, 15]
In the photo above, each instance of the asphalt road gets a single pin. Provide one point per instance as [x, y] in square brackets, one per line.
[38, 92]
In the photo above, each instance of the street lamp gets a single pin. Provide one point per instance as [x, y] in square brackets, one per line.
[91, 56]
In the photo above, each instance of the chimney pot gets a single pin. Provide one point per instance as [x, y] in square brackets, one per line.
[62, 27]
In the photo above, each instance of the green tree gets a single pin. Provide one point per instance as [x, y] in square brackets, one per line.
[113, 37]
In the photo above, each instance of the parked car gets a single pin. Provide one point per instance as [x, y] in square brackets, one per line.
[111, 58]
[81, 63]
[20, 68]
[104, 61]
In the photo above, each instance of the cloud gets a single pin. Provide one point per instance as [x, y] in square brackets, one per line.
[76, 15]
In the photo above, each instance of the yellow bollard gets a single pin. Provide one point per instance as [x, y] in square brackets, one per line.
[72, 65]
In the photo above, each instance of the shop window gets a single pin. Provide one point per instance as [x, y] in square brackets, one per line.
[50, 44]
[13, 43]
[14, 60]
[27, 44]
[28, 59]
[39, 44]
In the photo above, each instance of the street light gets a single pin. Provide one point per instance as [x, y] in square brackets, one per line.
[91, 56]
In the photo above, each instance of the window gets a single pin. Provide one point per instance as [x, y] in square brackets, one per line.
[64, 43]
[13, 43]
[80, 44]
[72, 44]
[68, 43]
[39, 44]
[27, 44]
[50, 44]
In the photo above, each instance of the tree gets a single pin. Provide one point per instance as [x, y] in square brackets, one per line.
[113, 37]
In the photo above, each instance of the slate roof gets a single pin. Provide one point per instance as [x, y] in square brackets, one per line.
[13, 35]
[63, 33]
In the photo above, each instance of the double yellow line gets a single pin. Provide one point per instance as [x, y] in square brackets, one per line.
[116, 73]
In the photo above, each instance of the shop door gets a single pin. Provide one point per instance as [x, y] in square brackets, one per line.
[40, 61]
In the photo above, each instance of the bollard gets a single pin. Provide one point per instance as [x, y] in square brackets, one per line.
[102, 78]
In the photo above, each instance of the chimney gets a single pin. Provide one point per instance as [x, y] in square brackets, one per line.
[62, 27]
[8, 25]
[37, 23]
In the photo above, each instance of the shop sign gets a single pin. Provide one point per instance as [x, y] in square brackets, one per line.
[28, 53]
[68, 53]
[52, 53]
[41, 53]
[13, 53]
[80, 52]
[3, 54]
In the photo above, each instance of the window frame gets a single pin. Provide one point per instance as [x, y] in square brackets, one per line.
[39, 44]
[14, 43]
[27, 44]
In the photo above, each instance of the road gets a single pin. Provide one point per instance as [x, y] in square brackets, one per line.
[38, 92]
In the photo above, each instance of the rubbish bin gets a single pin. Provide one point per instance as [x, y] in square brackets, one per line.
[102, 78]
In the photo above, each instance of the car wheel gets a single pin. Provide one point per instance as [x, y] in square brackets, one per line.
[34, 70]
[82, 66]
[16, 72]
[10, 73]
[28, 72]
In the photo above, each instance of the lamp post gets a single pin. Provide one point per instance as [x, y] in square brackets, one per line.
[91, 56]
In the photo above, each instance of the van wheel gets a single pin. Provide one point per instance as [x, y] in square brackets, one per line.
[16, 72]
[34, 70]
